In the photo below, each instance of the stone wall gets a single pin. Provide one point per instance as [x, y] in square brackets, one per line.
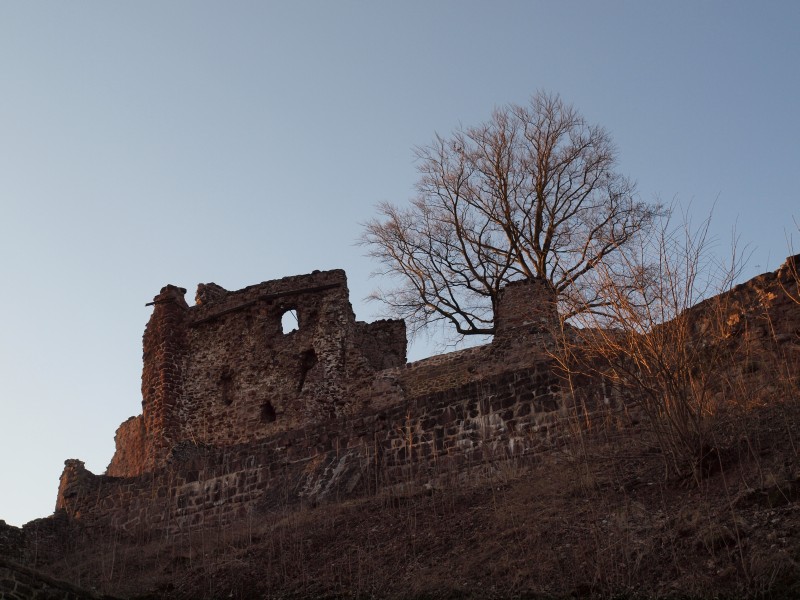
[382, 343]
[755, 327]
[201, 485]
[18, 582]
[346, 414]
[525, 307]
[251, 416]
[224, 372]
[165, 350]
[130, 455]
[11, 540]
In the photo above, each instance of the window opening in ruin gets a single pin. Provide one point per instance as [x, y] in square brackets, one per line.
[289, 321]
[307, 361]
[267, 412]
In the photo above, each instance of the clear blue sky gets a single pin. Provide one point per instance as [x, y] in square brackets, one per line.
[145, 143]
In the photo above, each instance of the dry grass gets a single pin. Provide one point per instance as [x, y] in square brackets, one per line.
[594, 518]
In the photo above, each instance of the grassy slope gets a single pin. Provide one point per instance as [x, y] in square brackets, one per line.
[594, 518]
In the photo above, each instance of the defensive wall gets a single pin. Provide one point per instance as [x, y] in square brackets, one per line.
[18, 582]
[240, 417]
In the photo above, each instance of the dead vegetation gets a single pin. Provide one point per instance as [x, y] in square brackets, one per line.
[594, 518]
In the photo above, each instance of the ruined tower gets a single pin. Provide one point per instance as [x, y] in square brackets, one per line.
[224, 371]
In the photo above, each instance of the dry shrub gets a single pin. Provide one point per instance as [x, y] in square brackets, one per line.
[650, 352]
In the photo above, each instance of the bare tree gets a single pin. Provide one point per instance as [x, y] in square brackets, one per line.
[533, 192]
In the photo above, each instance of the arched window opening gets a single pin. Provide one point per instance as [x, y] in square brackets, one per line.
[289, 321]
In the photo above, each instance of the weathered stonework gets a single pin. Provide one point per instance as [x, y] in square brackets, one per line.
[525, 308]
[481, 420]
[18, 582]
[223, 372]
[232, 404]
[240, 416]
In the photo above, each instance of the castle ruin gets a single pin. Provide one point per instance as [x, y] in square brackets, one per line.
[231, 401]
[224, 372]
[237, 412]
[244, 416]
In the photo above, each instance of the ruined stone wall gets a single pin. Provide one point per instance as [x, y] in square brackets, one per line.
[382, 343]
[760, 311]
[18, 582]
[11, 541]
[247, 377]
[753, 332]
[337, 425]
[512, 413]
[527, 324]
[164, 344]
[250, 415]
[223, 371]
[129, 458]
[526, 307]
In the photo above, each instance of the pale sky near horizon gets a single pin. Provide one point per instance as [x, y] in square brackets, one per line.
[145, 143]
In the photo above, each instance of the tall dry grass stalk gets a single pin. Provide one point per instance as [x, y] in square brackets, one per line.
[649, 350]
